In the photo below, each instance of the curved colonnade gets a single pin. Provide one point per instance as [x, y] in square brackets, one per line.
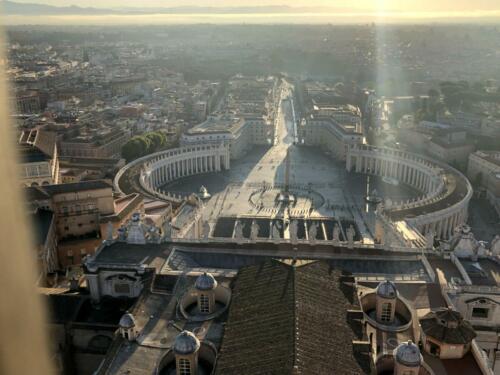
[166, 166]
[445, 191]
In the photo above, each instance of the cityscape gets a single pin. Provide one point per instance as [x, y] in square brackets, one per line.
[259, 197]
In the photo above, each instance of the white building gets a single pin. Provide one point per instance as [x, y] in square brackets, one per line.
[484, 170]
[330, 135]
[238, 133]
[39, 158]
[344, 114]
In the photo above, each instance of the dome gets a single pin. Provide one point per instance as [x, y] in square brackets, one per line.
[448, 326]
[408, 354]
[127, 321]
[387, 289]
[186, 343]
[205, 282]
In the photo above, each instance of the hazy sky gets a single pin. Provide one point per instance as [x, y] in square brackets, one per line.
[361, 5]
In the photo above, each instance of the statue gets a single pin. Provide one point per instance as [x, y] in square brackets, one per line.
[136, 232]
[495, 245]
[276, 231]
[336, 233]
[350, 236]
[205, 230]
[388, 203]
[166, 231]
[254, 231]
[313, 232]
[293, 228]
[204, 194]
[154, 234]
[429, 237]
[109, 235]
[122, 233]
[238, 230]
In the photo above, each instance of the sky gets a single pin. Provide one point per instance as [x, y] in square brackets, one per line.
[339, 12]
[360, 5]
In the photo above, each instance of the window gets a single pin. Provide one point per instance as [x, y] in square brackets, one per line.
[184, 367]
[385, 315]
[204, 304]
[480, 312]
[122, 288]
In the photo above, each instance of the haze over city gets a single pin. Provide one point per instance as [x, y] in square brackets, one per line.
[230, 12]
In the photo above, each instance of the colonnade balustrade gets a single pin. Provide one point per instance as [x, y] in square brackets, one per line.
[445, 192]
[167, 166]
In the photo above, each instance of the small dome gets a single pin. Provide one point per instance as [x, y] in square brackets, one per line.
[186, 343]
[408, 354]
[447, 326]
[127, 321]
[387, 289]
[205, 282]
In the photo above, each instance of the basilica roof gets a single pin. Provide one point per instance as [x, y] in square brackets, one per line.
[291, 319]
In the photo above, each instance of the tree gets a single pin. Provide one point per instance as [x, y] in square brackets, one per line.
[135, 148]
[157, 141]
[145, 144]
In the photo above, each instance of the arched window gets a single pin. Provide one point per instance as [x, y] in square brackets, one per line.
[385, 315]
[184, 367]
[204, 304]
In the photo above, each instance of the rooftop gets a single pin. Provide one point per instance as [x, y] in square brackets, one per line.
[36, 145]
[76, 187]
[278, 322]
[484, 272]
[216, 125]
[130, 254]
[490, 156]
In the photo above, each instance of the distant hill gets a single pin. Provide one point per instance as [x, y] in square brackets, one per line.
[32, 9]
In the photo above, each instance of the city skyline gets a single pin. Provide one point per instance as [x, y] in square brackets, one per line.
[363, 5]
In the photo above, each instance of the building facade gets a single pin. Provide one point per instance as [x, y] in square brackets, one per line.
[39, 158]
[332, 136]
[484, 171]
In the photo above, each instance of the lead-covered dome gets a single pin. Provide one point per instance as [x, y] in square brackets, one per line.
[205, 282]
[186, 343]
[127, 321]
[408, 354]
[387, 289]
[447, 326]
